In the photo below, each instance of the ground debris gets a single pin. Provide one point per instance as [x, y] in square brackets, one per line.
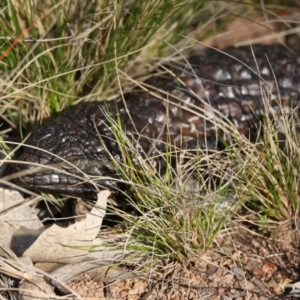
[234, 270]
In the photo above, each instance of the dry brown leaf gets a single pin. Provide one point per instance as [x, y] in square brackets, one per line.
[71, 244]
[110, 273]
[23, 238]
[14, 214]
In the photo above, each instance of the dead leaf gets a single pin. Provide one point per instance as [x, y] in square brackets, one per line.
[268, 267]
[23, 238]
[110, 273]
[71, 244]
[15, 212]
[37, 284]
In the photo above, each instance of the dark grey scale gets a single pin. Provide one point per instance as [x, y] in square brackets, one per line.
[81, 140]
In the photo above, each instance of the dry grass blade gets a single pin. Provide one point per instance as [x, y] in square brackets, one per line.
[87, 51]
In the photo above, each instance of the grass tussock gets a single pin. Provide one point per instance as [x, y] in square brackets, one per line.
[273, 174]
[58, 54]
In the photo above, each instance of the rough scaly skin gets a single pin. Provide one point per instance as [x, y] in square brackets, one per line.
[187, 111]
